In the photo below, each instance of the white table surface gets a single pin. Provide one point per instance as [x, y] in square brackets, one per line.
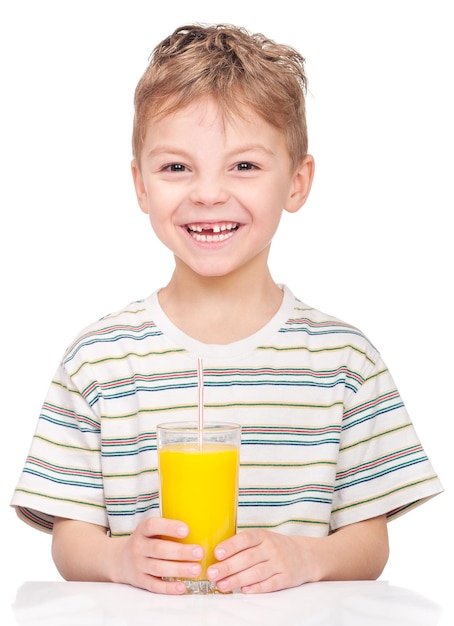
[364, 603]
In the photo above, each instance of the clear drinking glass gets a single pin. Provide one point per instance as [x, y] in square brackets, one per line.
[198, 475]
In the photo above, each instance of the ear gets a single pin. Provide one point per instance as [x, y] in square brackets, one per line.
[141, 192]
[301, 184]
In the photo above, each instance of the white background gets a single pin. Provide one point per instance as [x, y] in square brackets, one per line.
[373, 245]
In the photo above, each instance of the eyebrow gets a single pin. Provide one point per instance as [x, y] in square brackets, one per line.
[251, 148]
[160, 148]
[166, 149]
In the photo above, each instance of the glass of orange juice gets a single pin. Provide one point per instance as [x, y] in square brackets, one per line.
[198, 475]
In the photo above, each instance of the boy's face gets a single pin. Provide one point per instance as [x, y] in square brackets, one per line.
[215, 189]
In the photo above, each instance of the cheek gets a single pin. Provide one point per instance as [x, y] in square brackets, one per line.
[162, 219]
[270, 208]
[157, 222]
[274, 194]
[164, 199]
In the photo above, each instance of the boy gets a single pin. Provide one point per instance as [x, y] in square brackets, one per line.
[328, 454]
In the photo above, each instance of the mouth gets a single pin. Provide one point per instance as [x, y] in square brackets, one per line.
[212, 233]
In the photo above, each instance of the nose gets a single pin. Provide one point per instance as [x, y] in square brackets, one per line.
[209, 190]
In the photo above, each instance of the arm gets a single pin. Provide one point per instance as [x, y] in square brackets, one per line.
[258, 561]
[83, 551]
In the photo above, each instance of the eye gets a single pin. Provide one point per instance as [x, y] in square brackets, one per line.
[244, 166]
[174, 167]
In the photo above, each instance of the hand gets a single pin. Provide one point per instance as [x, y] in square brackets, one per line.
[149, 555]
[258, 561]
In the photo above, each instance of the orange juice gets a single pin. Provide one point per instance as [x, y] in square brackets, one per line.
[199, 486]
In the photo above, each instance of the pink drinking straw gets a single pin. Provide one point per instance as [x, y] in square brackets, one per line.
[200, 405]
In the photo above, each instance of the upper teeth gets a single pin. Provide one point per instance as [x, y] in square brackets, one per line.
[212, 232]
[216, 228]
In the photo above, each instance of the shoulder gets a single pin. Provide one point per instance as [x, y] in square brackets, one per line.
[320, 331]
[113, 331]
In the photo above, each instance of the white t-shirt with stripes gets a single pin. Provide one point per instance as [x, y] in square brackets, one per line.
[326, 439]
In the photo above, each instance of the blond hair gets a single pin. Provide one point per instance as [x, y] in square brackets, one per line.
[238, 69]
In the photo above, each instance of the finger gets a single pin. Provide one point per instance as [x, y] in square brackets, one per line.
[245, 561]
[237, 543]
[172, 569]
[157, 585]
[257, 579]
[169, 587]
[172, 550]
[161, 526]
[273, 583]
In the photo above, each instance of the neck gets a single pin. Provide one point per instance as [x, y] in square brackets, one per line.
[220, 309]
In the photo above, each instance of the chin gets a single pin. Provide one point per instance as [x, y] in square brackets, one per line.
[211, 270]
[213, 274]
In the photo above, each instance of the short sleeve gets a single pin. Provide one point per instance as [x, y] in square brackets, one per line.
[382, 466]
[62, 473]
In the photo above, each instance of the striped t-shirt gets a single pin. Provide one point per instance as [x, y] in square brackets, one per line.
[326, 439]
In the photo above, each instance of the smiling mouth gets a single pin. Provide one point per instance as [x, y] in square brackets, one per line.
[208, 233]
